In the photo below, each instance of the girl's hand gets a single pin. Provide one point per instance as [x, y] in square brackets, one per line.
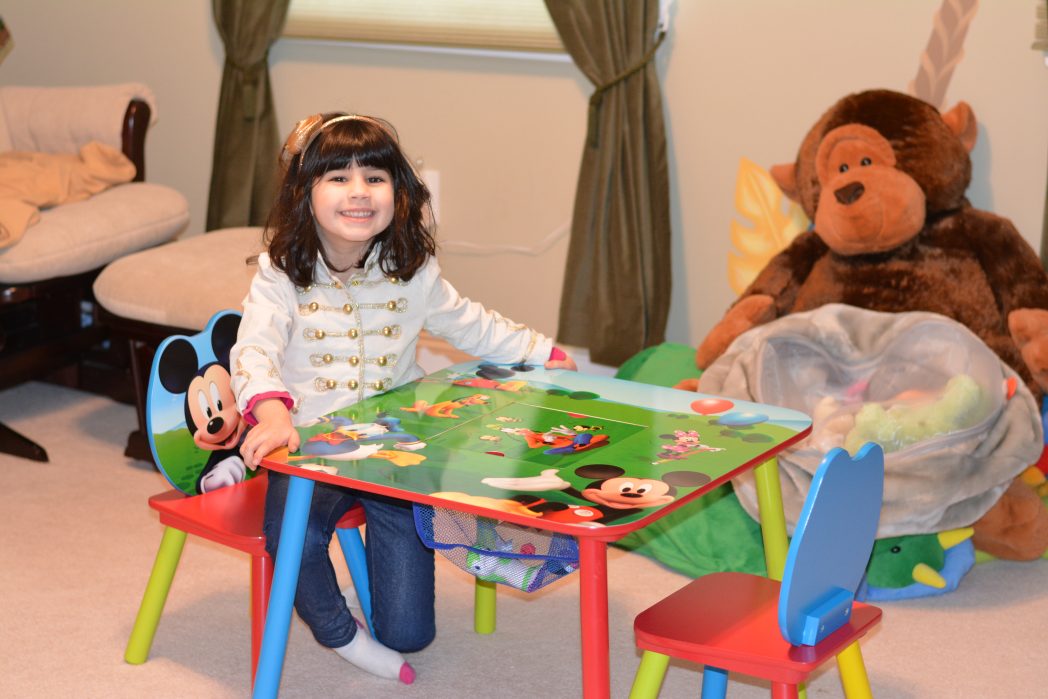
[274, 430]
[559, 359]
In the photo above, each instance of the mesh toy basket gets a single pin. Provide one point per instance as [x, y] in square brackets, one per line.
[495, 551]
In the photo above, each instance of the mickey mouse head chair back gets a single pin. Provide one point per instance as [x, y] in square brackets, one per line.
[191, 380]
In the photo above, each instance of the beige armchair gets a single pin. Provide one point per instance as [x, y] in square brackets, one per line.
[49, 324]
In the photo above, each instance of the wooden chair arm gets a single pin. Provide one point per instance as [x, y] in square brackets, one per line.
[133, 136]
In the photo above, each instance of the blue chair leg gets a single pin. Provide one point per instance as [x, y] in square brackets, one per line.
[356, 560]
[714, 682]
[282, 594]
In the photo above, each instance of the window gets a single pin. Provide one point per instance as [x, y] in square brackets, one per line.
[507, 25]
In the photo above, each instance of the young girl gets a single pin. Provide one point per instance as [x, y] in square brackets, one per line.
[333, 316]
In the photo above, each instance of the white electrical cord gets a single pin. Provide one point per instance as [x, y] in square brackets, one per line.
[461, 247]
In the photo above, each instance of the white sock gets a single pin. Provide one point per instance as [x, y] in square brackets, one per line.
[371, 656]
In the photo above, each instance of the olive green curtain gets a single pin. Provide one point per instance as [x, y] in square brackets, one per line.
[1040, 43]
[617, 280]
[243, 166]
[1044, 231]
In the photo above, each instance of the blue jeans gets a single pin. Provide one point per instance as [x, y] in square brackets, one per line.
[400, 567]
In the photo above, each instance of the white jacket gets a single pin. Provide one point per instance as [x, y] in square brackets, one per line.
[332, 344]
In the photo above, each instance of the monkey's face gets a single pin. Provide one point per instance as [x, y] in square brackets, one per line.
[867, 203]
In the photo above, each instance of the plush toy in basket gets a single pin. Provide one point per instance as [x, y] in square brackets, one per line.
[882, 175]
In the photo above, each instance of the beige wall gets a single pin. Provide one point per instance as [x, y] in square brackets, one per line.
[742, 78]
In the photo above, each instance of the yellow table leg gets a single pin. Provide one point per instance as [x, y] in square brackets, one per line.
[484, 606]
[773, 525]
[773, 520]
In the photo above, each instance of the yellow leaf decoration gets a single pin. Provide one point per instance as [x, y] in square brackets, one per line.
[759, 199]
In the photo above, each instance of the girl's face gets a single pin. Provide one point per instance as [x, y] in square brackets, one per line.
[351, 206]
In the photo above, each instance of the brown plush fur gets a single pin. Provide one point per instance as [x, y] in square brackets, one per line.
[883, 177]
[1016, 527]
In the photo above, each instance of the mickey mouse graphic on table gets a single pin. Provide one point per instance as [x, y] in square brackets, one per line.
[611, 496]
[559, 439]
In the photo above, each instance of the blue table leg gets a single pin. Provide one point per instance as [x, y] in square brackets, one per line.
[357, 562]
[282, 594]
[714, 682]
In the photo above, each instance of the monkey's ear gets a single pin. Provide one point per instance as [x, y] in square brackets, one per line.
[961, 120]
[785, 175]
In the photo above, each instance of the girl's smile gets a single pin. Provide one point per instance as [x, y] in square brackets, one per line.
[351, 206]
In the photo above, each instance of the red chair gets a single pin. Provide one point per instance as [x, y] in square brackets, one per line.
[232, 517]
[229, 515]
[735, 622]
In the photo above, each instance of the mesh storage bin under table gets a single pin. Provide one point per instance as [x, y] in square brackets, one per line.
[495, 551]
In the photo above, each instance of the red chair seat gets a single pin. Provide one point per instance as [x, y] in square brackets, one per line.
[231, 516]
[730, 621]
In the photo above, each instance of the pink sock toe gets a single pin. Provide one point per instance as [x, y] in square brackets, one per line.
[407, 673]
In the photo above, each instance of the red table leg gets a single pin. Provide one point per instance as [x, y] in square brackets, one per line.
[593, 600]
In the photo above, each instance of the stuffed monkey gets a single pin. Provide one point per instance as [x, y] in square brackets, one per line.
[882, 175]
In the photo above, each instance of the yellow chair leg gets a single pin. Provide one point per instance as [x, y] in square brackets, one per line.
[648, 680]
[484, 606]
[773, 520]
[155, 596]
[853, 673]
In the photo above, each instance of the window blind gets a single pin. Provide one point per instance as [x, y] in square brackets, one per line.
[509, 25]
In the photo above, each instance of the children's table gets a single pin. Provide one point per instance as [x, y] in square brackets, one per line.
[592, 457]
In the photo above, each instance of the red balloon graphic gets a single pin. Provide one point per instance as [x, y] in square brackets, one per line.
[709, 406]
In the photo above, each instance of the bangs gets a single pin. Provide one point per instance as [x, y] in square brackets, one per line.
[353, 141]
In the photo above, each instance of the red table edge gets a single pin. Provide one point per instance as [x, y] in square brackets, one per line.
[607, 533]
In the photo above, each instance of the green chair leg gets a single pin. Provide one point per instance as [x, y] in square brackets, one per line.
[652, 670]
[484, 606]
[155, 596]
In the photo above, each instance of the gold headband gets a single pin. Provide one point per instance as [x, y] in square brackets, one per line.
[306, 131]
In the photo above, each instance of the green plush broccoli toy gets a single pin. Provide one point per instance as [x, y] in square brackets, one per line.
[913, 418]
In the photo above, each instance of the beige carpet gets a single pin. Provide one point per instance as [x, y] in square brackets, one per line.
[78, 541]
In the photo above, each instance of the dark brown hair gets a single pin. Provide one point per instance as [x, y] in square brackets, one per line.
[291, 233]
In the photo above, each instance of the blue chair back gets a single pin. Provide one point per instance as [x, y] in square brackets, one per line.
[831, 544]
[193, 425]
